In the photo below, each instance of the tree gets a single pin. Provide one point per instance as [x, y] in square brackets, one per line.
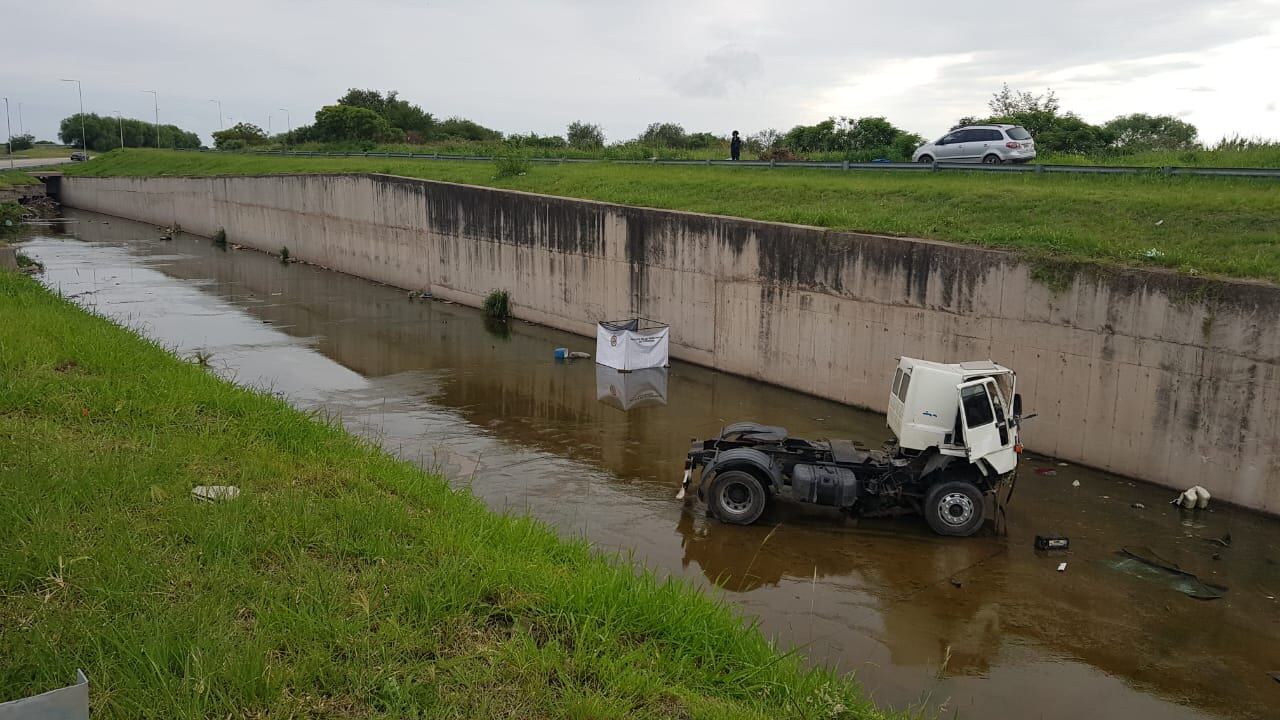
[667, 135]
[398, 113]
[348, 123]
[585, 136]
[22, 142]
[864, 139]
[103, 133]
[456, 128]
[1012, 102]
[238, 136]
[1139, 131]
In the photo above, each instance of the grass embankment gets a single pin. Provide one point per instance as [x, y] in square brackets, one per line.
[12, 178]
[342, 582]
[1201, 225]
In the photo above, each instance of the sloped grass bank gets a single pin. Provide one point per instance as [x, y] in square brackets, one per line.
[341, 583]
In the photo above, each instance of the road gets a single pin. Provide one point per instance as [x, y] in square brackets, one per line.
[20, 163]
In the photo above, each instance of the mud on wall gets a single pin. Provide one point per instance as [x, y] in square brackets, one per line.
[1158, 376]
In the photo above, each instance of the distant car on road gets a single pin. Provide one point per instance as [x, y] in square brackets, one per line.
[79, 156]
[989, 144]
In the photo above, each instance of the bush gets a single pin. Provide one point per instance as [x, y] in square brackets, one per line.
[497, 305]
[22, 142]
[511, 163]
[220, 237]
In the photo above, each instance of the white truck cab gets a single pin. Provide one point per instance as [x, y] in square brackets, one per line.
[962, 409]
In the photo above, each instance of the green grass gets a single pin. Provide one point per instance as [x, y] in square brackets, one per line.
[341, 583]
[1221, 226]
[12, 178]
[1259, 156]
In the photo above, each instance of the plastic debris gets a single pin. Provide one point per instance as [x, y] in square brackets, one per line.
[1144, 563]
[1153, 253]
[1224, 541]
[1052, 542]
[956, 583]
[1075, 483]
[1062, 567]
[579, 355]
[561, 353]
[1047, 472]
[1062, 464]
[1138, 506]
[1275, 676]
[215, 492]
[1194, 497]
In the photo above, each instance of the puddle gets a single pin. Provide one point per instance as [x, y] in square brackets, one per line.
[982, 627]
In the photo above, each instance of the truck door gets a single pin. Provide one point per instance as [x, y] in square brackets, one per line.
[986, 425]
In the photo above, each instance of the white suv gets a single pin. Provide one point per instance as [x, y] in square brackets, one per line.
[989, 144]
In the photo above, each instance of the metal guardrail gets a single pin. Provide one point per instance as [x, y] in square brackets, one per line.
[839, 165]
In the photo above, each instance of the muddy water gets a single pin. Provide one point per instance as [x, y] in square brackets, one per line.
[983, 627]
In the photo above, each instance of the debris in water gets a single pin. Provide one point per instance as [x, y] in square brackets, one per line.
[1194, 497]
[1052, 542]
[1224, 541]
[1075, 483]
[956, 583]
[1062, 567]
[1062, 464]
[215, 492]
[1138, 506]
[1275, 676]
[1143, 562]
[1046, 471]
[560, 353]
[579, 355]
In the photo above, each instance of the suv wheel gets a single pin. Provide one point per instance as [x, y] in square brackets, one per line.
[992, 159]
[954, 508]
[737, 497]
[925, 159]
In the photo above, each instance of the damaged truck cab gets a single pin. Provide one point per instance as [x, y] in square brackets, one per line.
[954, 449]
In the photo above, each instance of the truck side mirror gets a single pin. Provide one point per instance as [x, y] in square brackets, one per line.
[1017, 405]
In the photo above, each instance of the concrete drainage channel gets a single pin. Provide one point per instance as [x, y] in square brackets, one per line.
[986, 626]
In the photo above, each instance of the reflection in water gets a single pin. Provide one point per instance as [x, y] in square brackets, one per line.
[983, 625]
[631, 390]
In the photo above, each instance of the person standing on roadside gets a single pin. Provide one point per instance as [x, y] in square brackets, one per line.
[735, 146]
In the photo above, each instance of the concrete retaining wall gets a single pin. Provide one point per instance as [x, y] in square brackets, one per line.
[1158, 376]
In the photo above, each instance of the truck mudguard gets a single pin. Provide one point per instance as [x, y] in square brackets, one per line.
[748, 459]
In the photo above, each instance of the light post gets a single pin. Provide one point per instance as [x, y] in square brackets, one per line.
[155, 97]
[220, 125]
[9, 130]
[121, 121]
[289, 122]
[84, 140]
[268, 124]
[22, 130]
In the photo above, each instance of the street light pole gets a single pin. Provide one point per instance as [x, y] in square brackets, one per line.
[9, 130]
[155, 97]
[289, 121]
[121, 121]
[220, 125]
[84, 140]
[268, 124]
[22, 130]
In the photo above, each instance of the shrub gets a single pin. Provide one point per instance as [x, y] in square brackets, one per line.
[497, 305]
[220, 237]
[284, 254]
[511, 163]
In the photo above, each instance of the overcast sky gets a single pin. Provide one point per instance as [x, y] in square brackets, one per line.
[522, 66]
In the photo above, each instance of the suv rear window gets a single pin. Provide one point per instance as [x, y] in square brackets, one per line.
[1018, 133]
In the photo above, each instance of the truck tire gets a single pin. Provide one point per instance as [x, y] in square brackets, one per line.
[737, 497]
[955, 508]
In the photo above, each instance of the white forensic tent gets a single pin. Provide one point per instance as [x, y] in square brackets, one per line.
[633, 344]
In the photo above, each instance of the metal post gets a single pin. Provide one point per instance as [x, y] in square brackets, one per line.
[155, 98]
[268, 125]
[121, 121]
[9, 131]
[220, 125]
[22, 130]
[84, 138]
[288, 120]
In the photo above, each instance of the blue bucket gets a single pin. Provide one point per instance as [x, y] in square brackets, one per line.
[562, 353]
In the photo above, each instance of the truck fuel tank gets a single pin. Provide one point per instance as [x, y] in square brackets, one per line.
[824, 485]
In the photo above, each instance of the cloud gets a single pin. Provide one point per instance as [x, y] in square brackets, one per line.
[730, 67]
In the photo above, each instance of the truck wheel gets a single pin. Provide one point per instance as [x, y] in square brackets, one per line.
[737, 497]
[954, 508]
